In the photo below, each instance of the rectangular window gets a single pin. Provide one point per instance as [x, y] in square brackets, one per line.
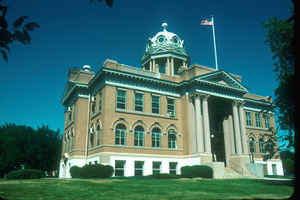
[138, 168]
[249, 118]
[171, 107]
[162, 69]
[100, 102]
[155, 104]
[257, 120]
[139, 102]
[267, 121]
[93, 104]
[119, 167]
[121, 99]
[156, 167]
[173, 167]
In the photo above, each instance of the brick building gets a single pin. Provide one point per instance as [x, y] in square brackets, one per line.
[167, 114]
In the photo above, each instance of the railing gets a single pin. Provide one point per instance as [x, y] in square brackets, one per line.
[135, 70]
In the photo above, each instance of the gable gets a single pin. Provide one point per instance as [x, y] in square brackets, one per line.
[222, 79]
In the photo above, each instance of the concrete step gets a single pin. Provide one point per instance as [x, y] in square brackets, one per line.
[230, 173]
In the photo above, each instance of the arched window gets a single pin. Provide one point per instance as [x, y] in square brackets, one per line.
[252, 145]
[172, 144]
[98, 135]
[261, 145]
[139, 136]
[120, 134]
[92, 140]
[156, 137]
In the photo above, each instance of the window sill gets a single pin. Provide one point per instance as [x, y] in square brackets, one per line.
[258, 128]
[145, 114]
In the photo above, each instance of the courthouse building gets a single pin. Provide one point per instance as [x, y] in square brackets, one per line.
[164, 115]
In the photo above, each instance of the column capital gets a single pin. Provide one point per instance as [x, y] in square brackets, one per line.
[238, 103]
[203, 96]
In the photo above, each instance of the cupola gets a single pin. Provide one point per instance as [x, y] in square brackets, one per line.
[165, 53]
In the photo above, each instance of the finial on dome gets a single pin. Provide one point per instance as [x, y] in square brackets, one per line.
[164, 25]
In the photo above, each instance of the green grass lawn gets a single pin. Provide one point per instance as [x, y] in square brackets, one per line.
[131, 189]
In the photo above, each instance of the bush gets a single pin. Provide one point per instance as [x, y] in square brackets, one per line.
[202, 171]
[165, 176]
[92, 171]
[75, 171]
[25, 174]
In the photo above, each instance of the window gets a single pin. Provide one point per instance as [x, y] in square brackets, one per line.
[156, 137]
[100, 102]
[138, 168]
[173, 167]
[267, 121]
[92, 140]
[121, 99]
[139, 136]
[98, 135]
[119, 167]
[252, 145]
[120, 134]
[156, 167]
[172, 139]
[162, 68]
[93, 104]
[139, 102]
[155, 104]
[261, 145]
[257, 120]
[249, 118]
[171, 107]
[70, 115]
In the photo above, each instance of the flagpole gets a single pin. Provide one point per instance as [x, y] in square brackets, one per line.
[214, 37]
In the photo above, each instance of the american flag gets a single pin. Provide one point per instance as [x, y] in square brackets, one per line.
[206, 23]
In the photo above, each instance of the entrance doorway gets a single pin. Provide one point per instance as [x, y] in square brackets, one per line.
[219, 109]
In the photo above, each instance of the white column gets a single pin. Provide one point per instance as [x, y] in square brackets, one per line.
[206, 125]
[227, 144]
[150, 66]
[231, 134]
[236, 128]
[243, 130]
[199, 128]
[193, 137]
[167, 67]
[153, 65]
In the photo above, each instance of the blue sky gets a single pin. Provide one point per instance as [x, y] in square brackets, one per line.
[75, 33]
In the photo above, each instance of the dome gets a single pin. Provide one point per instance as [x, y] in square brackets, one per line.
[165, 40]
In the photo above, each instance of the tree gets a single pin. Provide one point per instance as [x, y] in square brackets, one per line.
[281, 39]
[18, 32]
[24, 147]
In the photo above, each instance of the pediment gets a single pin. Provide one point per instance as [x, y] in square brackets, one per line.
[222, 79]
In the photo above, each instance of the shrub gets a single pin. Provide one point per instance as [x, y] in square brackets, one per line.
[92, 171]
[25, 174]
[165, 176]
[197, 171]
[75, 171]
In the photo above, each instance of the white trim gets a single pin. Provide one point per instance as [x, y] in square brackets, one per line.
[128, 86]
[219, 95]
[256, 109]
